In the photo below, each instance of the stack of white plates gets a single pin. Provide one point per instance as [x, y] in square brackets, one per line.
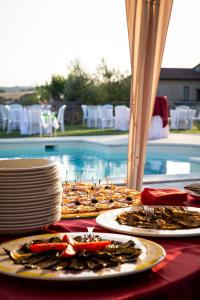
[30, 194]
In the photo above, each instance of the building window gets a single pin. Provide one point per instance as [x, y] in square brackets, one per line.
[186, 93]
[198, 94]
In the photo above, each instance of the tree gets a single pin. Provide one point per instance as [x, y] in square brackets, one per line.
[42, 92]
[56, 87]
[79, 86]
[113, 86]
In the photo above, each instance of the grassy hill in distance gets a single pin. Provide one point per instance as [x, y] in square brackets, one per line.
[15, 89]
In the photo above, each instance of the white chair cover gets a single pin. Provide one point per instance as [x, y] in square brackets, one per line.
[173, 123]
[122, 117]
[24, 121]
[182, 118]
[105, 116]
[92, 116]
[85, 113]
[3, 117]
[15, 110]
[9, 118]
[35, 119]
[191, 113]
[60, 119]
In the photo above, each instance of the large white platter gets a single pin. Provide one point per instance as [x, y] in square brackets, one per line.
[151, 255]
[108, 220]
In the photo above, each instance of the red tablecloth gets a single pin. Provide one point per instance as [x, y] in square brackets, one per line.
[161, 109]
[177, 277]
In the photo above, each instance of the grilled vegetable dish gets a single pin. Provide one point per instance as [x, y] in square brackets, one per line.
[164, 218]
[75, 254]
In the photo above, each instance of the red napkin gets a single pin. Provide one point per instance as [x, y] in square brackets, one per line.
[173, 196]
[161, 109]
[193, 197]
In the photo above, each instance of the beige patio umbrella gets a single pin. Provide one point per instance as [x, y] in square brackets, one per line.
[147, 22]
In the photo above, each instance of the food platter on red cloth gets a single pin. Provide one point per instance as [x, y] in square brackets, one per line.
[110, 220]
[149, 254]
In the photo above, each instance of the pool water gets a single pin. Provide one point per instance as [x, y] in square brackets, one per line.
[92, 164]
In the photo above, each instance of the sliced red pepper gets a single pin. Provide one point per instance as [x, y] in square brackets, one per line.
[69, 251]
[92, 246]
[68, 239]
[37, 248]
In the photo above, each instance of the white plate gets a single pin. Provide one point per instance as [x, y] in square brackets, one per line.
[18, 215]
[33, 186]
[27, 181]
[107, 220]
[28, 202]
[43, 222]
[151, 255]
[30, 193]
[25, 164]
[29, 175]
[32, 220]
[23, 209]
[28, 229]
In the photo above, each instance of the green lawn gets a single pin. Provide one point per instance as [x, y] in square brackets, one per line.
[195, 129]
[81, 130]
[70, 130]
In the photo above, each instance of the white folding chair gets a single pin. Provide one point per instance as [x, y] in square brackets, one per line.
[60, 118]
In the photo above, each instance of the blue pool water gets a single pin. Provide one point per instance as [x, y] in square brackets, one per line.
[95, 164]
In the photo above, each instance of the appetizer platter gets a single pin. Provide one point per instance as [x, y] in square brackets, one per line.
[78, 256]
[88, 200]
[165, 221]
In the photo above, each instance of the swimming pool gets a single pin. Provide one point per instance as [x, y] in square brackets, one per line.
[93, 161]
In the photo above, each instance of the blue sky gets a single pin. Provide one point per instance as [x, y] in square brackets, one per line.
[40, 38]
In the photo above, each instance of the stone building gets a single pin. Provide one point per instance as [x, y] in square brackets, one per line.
[181, 86]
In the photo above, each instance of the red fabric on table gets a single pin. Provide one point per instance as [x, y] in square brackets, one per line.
[193, 198]
[170, 196]
[177, 276]
[161, 109]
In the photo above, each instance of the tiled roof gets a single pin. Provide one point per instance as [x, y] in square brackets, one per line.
[179, 74]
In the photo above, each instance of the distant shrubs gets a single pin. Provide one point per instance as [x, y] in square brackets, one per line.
[106, 86]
